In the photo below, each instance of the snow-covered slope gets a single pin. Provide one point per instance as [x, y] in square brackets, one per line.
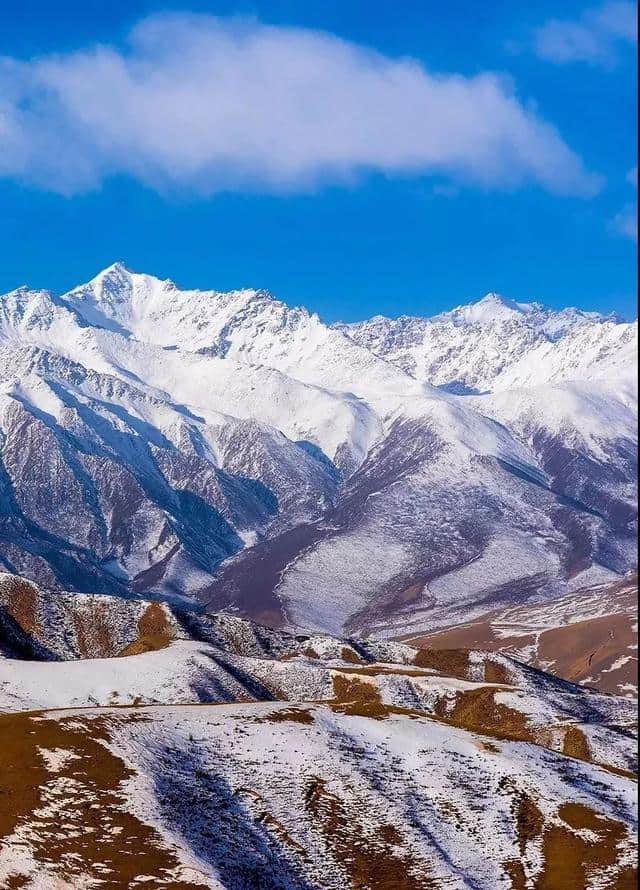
[249, 326]
[226, 446]
[496, 344]
[313, 797]
[228, 755]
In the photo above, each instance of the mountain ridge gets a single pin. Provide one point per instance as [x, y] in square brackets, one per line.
[494, 298]
[191, 439]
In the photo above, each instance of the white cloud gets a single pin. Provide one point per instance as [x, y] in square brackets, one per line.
[625, 223]
[594, 38]
[206, 104]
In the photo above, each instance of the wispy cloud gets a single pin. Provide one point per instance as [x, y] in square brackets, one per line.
[625, 223]
[200, 103]
[595, 37]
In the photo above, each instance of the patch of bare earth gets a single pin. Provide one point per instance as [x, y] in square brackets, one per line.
[21, 604]
[599, 651]
[154, 631]
[361, 698]
[287, 715]
[456, 663]
[447, 662]
[571, 859]
[529, 823]
[94, 633]
[575, 744]
[478, 711]
[350, 655]
[594, 640]
[588, 650]
[74, 818]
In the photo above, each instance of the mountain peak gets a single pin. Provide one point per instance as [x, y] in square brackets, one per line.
[119, 275]
[492, 307]
[118, 266]
[117, 271]
[495, 299]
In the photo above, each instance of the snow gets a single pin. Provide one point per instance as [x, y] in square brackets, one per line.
[496, 343]
[504, 559]
[161, 414]
[151, 676]
[238, 755]
[618, 663]
[586, 415]
[435, 784]
[56, 758]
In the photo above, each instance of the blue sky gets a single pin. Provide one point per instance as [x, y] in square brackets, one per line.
[409, 158]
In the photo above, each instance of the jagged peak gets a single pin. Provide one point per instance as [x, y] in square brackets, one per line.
[120, 272]
[25, 290]
[495, 297]
[499, 301]
[118, 268]
[117, 273]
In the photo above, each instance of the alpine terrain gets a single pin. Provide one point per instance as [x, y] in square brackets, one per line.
[295, 606]
[390, 477]
[148, 746]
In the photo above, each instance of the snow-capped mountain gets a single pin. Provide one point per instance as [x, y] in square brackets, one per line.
[498, 344]
[227, 447]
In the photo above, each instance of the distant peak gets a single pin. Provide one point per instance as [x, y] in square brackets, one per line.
[115, 269]
[496, 299]
[493, 297]
[492, 307]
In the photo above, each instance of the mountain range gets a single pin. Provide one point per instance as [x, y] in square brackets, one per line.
[386, 477]
[288, 606]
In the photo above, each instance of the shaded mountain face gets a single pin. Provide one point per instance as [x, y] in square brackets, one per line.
[214, 752]
[227, 448]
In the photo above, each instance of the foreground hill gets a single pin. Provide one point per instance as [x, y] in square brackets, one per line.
[227, 448]
[182, 750]
[317, 796]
